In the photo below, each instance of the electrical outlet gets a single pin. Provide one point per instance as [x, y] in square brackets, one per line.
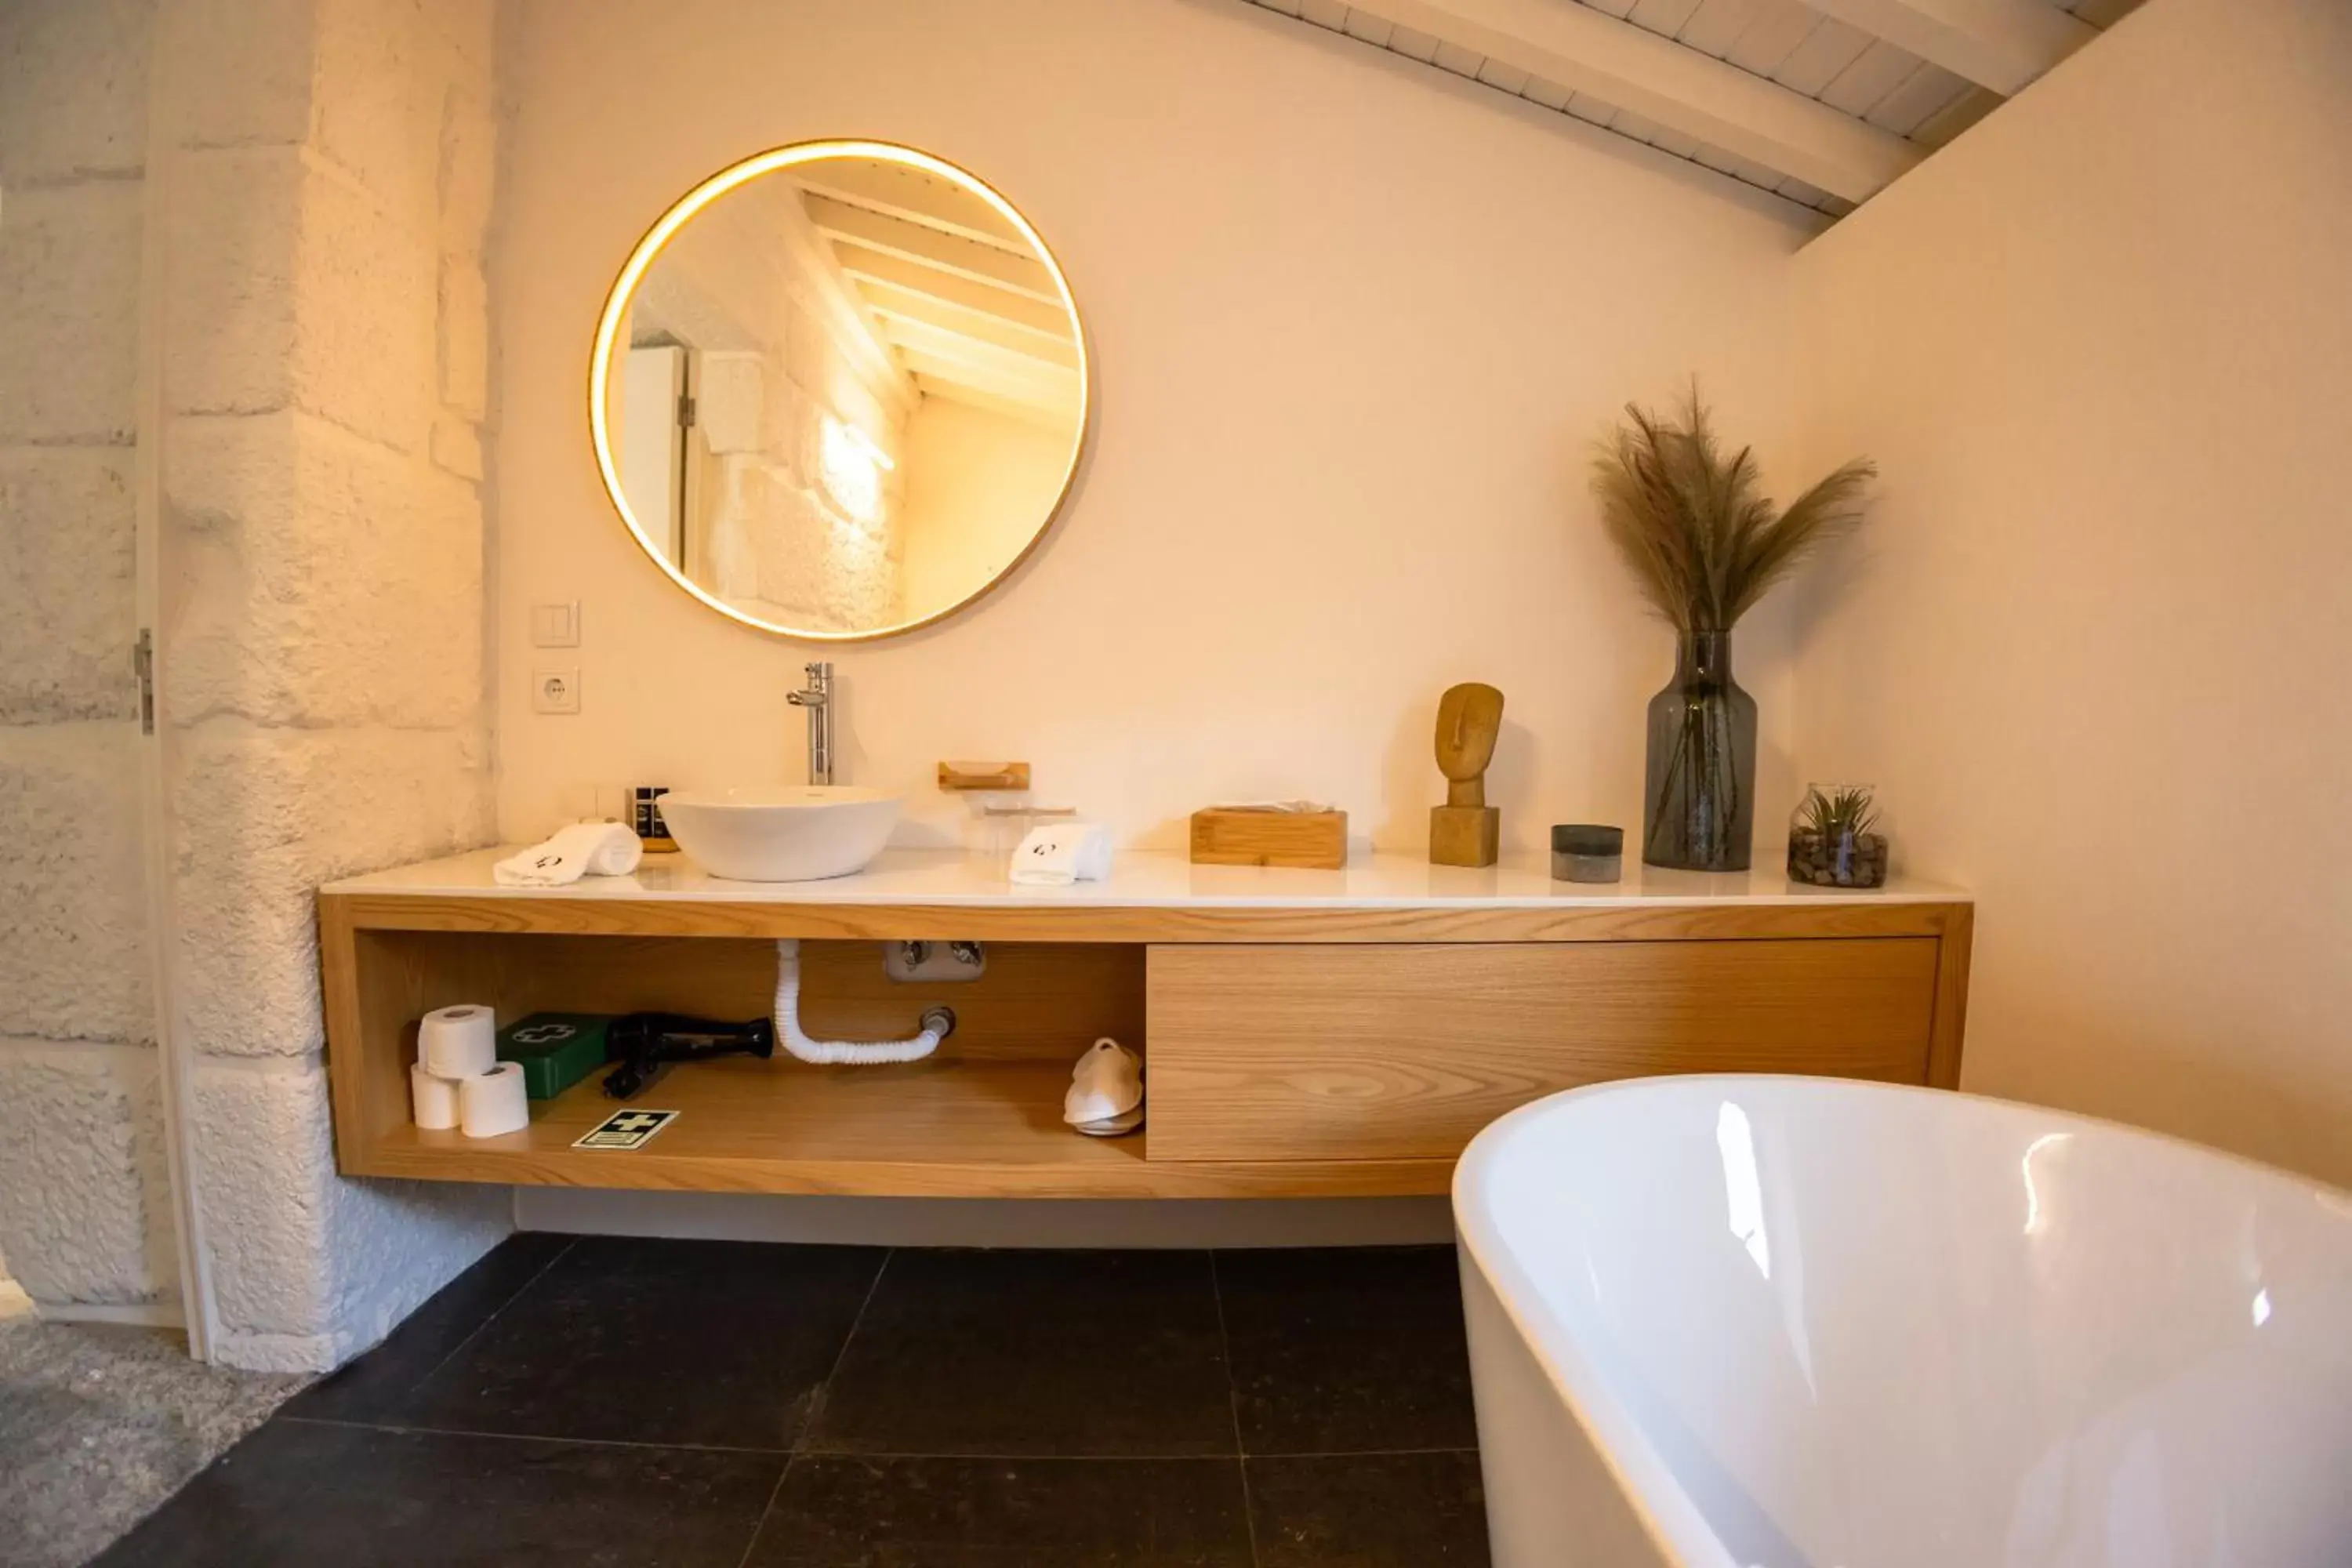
[937, 962]
[555, 690]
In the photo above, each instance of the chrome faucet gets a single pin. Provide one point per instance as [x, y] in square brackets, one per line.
[817, 698]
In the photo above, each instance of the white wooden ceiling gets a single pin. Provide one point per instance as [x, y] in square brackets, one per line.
[1825, 102]
[949, 287]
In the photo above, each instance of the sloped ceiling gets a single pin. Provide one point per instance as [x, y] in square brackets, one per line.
[951, 287]
[1824, 103]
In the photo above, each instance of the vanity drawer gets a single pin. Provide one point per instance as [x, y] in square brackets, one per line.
[1369, 1051]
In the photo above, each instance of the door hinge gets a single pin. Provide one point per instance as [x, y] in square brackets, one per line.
[143, 663]
[686, 411]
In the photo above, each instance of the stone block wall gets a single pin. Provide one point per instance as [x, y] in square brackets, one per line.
[325, 371]
[85, 1201]
[819, 553]
[315, 178]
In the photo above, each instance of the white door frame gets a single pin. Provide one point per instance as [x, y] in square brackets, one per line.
[199, 1311]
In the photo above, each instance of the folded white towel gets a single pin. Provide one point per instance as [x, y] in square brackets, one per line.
[1107, 1082]
[1062, 852]
[584, 849]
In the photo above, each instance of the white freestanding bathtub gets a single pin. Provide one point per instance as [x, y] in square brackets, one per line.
[1779, 1323]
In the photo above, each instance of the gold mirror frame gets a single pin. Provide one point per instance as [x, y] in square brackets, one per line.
[657, 238]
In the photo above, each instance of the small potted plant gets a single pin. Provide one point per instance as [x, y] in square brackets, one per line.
[1832, 838]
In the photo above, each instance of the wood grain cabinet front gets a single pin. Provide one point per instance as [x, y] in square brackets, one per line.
[1304, 1033]
[1372, 1051]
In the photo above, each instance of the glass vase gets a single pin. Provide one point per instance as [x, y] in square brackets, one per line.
[1699, 797]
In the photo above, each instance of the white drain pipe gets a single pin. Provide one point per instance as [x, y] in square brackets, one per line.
[938, 1023]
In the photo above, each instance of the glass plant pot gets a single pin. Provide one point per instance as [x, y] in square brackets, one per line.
[1836, 837]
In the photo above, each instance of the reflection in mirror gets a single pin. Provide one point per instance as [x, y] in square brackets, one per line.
[839, 390]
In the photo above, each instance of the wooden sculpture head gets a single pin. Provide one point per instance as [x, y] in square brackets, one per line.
[1469, 720]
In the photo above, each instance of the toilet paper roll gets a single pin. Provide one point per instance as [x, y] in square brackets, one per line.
[432, 1100]
[459, 1042]
[493, 1102]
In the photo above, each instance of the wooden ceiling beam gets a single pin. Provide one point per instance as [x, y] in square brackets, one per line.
[896, 274]
[918, 318]
[1058, 420]
[2000, 44]
[932, 248]
[952, 348]
[888, 300]
[897, 191]
[1061, 395]
[1636, 70]
[989, 367]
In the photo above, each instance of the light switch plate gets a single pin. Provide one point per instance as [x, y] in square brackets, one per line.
[555, 625]
[555, 690]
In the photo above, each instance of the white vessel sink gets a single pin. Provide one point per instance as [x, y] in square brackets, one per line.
[782, 833]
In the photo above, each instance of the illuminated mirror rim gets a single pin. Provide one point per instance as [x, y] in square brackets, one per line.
[657, 238]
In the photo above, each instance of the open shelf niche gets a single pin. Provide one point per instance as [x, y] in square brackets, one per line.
[982, 1117]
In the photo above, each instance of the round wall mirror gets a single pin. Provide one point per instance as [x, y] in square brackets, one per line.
[839, 390]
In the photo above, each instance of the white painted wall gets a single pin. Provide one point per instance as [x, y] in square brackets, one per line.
[2097, 653]
[1357, 325]
[978, 482]
[85, 1207]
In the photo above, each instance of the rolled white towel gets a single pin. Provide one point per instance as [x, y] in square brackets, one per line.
[1062, 852]
[584, 849]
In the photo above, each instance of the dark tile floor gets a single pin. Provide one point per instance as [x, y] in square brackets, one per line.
[679, 1404]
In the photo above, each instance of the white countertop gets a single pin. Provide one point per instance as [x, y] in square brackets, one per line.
[1159, 879]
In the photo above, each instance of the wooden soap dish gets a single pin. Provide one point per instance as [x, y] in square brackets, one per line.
[983, 776]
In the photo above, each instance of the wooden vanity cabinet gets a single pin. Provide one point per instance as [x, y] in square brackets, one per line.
[1290, 1051]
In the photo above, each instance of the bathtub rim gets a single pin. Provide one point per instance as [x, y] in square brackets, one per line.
[1652, 1492]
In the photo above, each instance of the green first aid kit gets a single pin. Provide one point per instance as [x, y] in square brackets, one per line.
[556, 1049]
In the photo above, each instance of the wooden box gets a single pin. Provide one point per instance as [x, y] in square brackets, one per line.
[1317, 840]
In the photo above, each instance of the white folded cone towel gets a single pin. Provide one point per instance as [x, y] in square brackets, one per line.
[584, 849]
[1106, 1083]
[1062, 852]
